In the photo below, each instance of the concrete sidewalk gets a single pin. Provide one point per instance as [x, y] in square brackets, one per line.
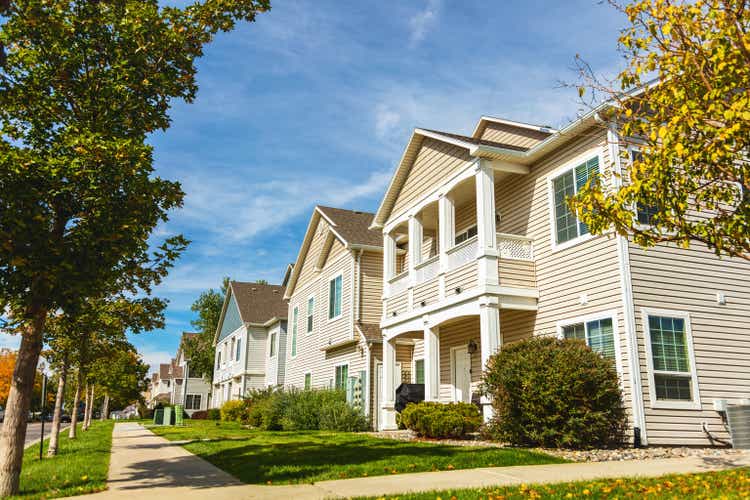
[145, 465]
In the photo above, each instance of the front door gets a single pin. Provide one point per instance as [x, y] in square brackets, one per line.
[461, 375]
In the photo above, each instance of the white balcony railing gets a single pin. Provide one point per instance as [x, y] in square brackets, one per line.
[462, 253]
[513, 246]
[428, 269]
[399, 283]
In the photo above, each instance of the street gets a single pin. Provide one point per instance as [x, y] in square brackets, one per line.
[32, 431]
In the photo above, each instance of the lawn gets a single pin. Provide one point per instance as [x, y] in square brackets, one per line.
[81, 465]
[725, 485]
[303, 457]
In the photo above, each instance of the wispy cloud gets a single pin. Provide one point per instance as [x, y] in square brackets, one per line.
[423, 21]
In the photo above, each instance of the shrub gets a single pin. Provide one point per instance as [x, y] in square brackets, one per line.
[341, 416]
[441, 420]
[199, 415]
[231, 411]
[554, 393]
[213, 414]
[303, 410]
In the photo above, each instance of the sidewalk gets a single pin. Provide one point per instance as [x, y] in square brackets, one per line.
[145, 465]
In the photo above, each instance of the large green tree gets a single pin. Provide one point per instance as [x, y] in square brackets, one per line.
[82, 84]
[683, 100]
[200, 348]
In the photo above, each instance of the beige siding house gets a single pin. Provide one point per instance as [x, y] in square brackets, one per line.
[250, 341]
[335, 300]
[480, 250]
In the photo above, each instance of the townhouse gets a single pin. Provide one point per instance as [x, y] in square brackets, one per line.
[335, 305]
[188, 388]
[250, 340]
[160, 390]
[480, 250]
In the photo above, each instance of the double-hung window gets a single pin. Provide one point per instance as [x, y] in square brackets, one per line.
[308, 381]
[239, 349]
[673, 378]
[419, 371]
[598, 334]
[334, 297]
[567, 184]
[310, 311]
[466, 235]
[273, 345]
[342, 374]
[193, 402]
[295, 321]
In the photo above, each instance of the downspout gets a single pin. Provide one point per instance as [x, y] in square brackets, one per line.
[631, 338]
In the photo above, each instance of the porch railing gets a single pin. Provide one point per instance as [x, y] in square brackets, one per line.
[513, 246]
[428, 269]
[462, 253]
[399, 283]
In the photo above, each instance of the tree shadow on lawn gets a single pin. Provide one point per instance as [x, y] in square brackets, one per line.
[310, 461]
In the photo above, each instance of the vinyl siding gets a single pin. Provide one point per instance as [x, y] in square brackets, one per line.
[427, 292]
[513, 136]
[308, 271]
[516, 325]
[371, 264]
[516, 273]
[466, 215]
[456, 334]
[397, 304]
[464, 277]
[688, 280]
[435, 163]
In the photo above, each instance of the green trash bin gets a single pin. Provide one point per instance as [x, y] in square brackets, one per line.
[178, 415]
[159, 416]
[168, 416]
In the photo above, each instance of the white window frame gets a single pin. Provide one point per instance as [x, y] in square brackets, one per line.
[273, 347]
[608, 314]
[414, 368]
[237, 347]
[328, 307]
[334, 374]
[570, 164]
[194, 395]
[294, 338]
[307, 314]
[695, 404]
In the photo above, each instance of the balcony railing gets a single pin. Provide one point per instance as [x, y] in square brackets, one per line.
[428, 269]
[462, 253]
[399, 283]
[516, 247]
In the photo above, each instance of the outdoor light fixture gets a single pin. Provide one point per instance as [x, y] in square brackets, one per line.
[423, 303]
[458, 289]
[471, 347]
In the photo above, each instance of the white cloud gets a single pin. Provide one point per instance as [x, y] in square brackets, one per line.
[8, 341]
[423, 21]
[154, 357]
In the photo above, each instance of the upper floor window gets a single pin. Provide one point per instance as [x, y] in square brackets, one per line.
[644, 213]
[567, 226]
[273, 345]
[239, 349]
[295, 321]
[465, 235]
[231, 351]
[310, 310]
[598, 334]
[218, 359]
[334, 297]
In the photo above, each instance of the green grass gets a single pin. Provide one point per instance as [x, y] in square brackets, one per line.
[302, 457]
[728, 484]
[81, 465]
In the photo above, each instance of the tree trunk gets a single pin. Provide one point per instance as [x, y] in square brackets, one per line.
[74, 410]
[87, 409]
[55, 431]
[105, 408]
[91, 409]
[13, 434]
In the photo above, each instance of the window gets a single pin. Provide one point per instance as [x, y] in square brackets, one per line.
[334, 297]
[342, 375]
[218, 359]
[273, 345]
[239, 349]
[231, 351]
[644, 213]
[565, 185]
[310, 309]
[295, 317]
[419, 371]
[672, 377]
[598, 334]
[308, 381]
[193, 402]
[465, 235]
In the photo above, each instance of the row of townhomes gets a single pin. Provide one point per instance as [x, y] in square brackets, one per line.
[174, 384]
[472, 248]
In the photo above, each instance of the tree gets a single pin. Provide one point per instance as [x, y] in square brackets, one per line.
[199, 349]
[692, 127]
[82, 84]
[7, 362]
[123, 379]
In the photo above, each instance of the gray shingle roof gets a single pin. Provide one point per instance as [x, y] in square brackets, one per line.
[259, 303]
[354, 226]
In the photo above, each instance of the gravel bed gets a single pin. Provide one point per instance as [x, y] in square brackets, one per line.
[606, 455]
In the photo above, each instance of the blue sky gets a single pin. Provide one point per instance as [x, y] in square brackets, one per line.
[315, 101]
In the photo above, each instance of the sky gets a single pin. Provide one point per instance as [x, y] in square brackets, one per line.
[315, 102]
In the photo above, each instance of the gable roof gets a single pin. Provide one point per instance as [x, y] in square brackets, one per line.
[256, 303]
[486, 120]
[479, 148]
[351, 227]
[164, 371]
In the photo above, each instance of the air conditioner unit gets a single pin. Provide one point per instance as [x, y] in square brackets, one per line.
[738, 418]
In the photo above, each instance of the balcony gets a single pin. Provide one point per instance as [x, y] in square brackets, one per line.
[399, 283]
[461, 254]
[427, 270]
[516, 267]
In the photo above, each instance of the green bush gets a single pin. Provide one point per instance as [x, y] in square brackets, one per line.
[554, 393]
[213, 414]
[441, 420]
[232, 411]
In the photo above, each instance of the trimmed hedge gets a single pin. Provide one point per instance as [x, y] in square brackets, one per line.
[441, 420]
[554, 393]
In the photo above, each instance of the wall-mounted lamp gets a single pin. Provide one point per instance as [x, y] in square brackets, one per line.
[458, 289]
[423, 303]
[471, 347]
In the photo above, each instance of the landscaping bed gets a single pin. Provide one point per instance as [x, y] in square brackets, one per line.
[280, 457]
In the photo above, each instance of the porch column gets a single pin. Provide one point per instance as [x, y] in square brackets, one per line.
[415, 245]
[431, 363]
[490, 339]
[389, 261]
[486, 233]
[446, 236]
[388, 397]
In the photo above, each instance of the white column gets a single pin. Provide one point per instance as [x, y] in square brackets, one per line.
[490, 339]
[389, 261]
[388, 397]
[486, 232]
[415, 245]
[446, 227]
[431, 363]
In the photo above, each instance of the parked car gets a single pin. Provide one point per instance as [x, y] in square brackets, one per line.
[64, 417]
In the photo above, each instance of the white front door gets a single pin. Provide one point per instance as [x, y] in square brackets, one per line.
[461, 374]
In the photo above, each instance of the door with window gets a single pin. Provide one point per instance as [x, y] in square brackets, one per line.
[461, 374]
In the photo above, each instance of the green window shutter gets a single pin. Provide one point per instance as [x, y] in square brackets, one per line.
[295, 315]
[342, 374]
[601, 337]
[565, 219]
[308, 381]
[334, 297]
[668, 344]
[338, 295]
[239, 349]
[577, 331]
[419, 371]
[585, 172]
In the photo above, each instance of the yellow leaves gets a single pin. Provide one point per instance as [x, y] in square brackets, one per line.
[679, 148]
[663, 132]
